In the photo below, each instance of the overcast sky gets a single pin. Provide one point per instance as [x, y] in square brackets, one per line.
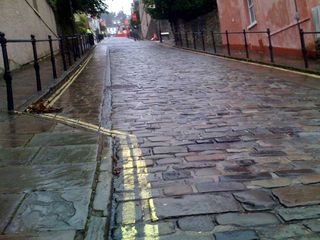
[118, 5]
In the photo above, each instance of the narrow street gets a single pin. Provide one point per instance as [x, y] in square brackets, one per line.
[214, 149]
[166, 144]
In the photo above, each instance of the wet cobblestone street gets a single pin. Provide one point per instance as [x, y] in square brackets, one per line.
[215, 149]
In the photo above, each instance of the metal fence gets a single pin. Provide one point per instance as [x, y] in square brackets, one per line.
[71, 48]
[202, 41]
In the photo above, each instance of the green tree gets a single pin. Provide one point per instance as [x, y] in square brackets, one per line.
[173, 9]
[64, 10]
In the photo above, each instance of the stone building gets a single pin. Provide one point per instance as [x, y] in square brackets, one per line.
[21, 18]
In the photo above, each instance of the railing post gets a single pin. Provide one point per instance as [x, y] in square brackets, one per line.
[7, 73]
[246, 42]
[194, 41]
[187, 40]
[78, 46]
[180, 38]
[203, 43]
[213, 42]
[73, 48]
[270, 46]
[81, 44]
[304, 49]
[53, 61]
[63, 56]
[228, 43]
[36, 62]
[68, 51]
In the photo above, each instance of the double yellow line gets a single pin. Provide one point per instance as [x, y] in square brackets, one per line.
[58, 93]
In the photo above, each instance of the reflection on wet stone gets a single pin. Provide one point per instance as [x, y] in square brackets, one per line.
[52, 211]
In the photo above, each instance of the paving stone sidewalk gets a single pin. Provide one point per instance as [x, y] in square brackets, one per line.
[54, 178]
[214, 149]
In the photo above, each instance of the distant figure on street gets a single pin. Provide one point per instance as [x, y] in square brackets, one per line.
[91, 37]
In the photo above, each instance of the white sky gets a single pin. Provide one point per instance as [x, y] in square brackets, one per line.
[118, 5]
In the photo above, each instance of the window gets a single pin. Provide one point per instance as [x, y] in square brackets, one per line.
[316, 20]
[252, 14]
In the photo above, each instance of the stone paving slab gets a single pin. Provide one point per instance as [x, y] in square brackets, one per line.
[45, 177]
[298, 195]
[17, 156]
[247, 219]
[55, 235]
[66, 154]
[8, 204]
[61, 139]
[42, 211]
[194, 205]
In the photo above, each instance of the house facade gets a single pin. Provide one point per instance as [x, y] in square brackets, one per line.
[21, 18]
[282, 17]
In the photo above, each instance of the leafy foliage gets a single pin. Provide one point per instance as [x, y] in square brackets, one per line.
[172, 9]
[82, 23]
[65, 8]
[94, 7]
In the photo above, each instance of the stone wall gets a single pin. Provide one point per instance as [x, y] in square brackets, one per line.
[206, 23]
[18, 21]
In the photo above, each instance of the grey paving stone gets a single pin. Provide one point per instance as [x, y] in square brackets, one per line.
[196, 224]
[194, 165]
[306, 237]
[166, 161]
[66, 154]
[52, 235]
[286, 130]
[280, 232]
[237, 235]
[177, 189]
[206, 147]
[294, 172]
[186, 236]
[43, 211]
[314, 225]
[270, 183]
[268, 153]
[309, 179]
[254, 200]
[298, 195]
[203, 157]
[219, 187]
[247, 219]
[17, 156]
[96, 229]
[46, 177]
[144, 230]
[245, 177]
[129, 212]
[171, 149]
[194, 205]
[299, 213]
[62, 139]
[227, 139]
[8, 204]
[174, 175]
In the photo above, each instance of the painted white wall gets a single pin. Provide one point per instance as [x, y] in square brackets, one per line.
[19, 21]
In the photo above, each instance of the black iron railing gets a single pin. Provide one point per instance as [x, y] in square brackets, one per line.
[71, 48]
[202, 41]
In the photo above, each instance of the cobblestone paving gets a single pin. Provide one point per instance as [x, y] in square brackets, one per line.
[214, 150]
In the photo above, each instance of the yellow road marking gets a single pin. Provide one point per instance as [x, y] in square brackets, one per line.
[58, 93]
